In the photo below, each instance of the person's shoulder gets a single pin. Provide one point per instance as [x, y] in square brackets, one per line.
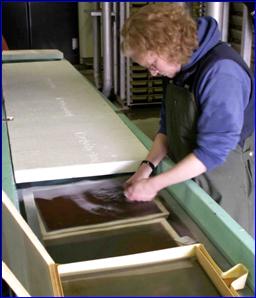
[228, 67]
[224, 76]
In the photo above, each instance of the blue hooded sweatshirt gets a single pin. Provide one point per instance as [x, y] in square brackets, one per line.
[223, 95]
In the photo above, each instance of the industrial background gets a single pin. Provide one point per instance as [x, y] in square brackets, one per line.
[89, 38]
[88, 35]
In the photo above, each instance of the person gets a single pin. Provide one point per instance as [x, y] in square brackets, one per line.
[207, 116]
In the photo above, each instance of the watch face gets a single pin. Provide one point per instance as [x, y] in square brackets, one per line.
[149, 163]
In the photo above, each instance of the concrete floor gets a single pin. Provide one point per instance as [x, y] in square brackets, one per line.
[146, 117]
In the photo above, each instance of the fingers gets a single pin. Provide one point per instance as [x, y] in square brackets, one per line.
[137, 196]
[132, 190]
[138, 190]
[128, 193]
[127, 184]
[135, 178]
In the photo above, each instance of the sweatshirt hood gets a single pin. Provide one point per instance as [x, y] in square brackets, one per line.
[208, 36]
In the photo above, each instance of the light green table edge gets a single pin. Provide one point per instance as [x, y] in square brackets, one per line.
[8, 184]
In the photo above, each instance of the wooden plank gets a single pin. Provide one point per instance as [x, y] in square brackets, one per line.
[40, 272]
[25, 255]
[13, 282]
[109, 270]
[31, 215]
[63, 127]
[47, 235]
[119, 240]
[121, 262]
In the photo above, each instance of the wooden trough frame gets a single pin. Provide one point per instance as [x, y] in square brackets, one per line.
[41, 276]
[36, 219]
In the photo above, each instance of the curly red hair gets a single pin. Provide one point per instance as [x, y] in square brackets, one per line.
[167, 29]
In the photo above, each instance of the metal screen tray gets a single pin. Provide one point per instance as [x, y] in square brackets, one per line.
[89, 204]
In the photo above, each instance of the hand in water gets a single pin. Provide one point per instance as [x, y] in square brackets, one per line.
[142, 173]
[141, 190]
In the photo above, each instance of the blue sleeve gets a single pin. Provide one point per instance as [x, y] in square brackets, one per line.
[223, 95]
[162, 128]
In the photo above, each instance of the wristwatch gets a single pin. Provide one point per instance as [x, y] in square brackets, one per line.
[149, 163]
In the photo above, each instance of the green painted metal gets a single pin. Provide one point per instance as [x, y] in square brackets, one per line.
[8, 184]
[233, 242]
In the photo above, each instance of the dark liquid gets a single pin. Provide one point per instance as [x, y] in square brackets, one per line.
[110, 243]
[89, 208]
[174, 278]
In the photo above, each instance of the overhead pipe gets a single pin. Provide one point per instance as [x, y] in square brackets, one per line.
[107, 48]
[214, 9]
[246, 42]
[96, 46]
[85, 31]
[115, 47]
[128, 62]
[122, 68]
[225, 21]
[219, 11]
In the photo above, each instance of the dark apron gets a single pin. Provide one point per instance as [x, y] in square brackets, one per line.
[231, 184]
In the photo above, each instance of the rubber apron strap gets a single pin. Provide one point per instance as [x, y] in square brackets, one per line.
[181, 120]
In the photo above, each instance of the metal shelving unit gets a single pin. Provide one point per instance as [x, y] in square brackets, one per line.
[241, 35]
[132, 84]
[141, 87]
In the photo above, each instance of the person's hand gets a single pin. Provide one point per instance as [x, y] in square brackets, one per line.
[143, 172]
[141, 190]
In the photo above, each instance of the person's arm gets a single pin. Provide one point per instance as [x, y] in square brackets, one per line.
[147, 189]
[187, 168]
[155, 155]
[159, 149]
